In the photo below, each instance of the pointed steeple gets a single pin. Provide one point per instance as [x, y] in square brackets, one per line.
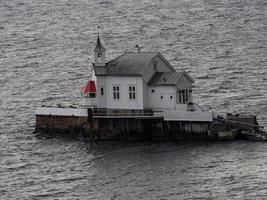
[99, 47]
[99, 58]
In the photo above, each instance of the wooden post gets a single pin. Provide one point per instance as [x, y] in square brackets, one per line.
[162, 131]
[127, 126]
[139, 131]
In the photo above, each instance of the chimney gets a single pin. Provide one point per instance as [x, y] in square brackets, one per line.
[138, 48]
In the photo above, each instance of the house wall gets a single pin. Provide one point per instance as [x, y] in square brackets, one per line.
[107, 100]
[156, 102]
[101, 99]
[166, 102]
[145, 95]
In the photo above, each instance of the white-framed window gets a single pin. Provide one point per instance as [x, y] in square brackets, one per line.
[116, 92]
[132, 92]
[183, 96]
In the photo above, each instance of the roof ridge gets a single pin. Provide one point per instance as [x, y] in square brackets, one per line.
[128, 53]
[117, 58]
[142, 52]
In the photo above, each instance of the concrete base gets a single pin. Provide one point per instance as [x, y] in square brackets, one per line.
[136, 126]
[122, 128]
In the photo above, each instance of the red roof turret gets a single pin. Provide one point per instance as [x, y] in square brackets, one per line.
[89, 87]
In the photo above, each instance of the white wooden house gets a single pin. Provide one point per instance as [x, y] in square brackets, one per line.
[138, 81]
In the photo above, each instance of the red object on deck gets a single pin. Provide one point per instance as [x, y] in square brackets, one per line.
[89, 87]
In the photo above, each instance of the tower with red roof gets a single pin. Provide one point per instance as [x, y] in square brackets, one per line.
[88, 94]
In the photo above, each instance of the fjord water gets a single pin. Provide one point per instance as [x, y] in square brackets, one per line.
[45, 55]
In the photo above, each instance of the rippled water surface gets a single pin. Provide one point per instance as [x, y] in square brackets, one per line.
[45, 49]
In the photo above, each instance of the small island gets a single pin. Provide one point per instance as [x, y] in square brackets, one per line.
[140, 95]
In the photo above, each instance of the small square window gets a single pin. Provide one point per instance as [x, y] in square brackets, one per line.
[161, 97]
[152, 90]
[99, 55]
[171, 97]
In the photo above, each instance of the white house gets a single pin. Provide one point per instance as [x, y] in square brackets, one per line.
[138, 81]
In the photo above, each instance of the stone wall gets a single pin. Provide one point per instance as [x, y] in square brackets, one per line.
[109, 128]
[59, 122]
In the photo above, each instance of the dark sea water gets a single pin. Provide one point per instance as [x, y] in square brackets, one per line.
[45, 55]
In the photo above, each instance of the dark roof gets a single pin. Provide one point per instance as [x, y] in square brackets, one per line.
[131, 63]
[99, 46]
[168, 78]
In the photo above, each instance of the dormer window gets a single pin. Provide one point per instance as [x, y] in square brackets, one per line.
[99, 55]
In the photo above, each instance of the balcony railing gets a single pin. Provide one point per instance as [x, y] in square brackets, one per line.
[121, 112]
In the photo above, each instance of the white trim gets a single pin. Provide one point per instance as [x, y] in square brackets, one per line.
[61, 111]
[199, 116]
